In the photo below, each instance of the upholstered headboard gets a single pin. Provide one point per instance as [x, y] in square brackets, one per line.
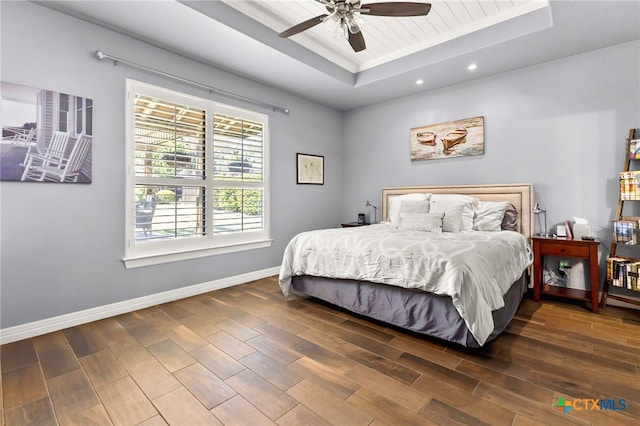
[520, 195]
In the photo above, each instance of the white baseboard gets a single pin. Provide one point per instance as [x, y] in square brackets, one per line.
[37, 328]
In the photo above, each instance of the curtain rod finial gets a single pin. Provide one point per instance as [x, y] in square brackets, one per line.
[100, 54]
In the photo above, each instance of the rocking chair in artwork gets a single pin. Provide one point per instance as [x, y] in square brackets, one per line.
[25, 139]
[57, 145]
[55, 167]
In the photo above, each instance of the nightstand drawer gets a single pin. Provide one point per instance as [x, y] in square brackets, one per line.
[560, 249]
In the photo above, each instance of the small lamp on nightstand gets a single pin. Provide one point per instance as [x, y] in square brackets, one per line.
[541, 215]
[375, 211]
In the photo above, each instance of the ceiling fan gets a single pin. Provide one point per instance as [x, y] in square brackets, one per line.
[343, 14]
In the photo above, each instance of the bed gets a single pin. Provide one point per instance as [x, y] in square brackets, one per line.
[430, 266]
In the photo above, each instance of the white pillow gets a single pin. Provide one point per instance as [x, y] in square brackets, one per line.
[393, 216]
[412, 206]
[489, 215]
[458, 211]
[429, 222]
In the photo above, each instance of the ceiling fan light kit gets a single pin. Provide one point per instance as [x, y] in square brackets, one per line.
[344, 17]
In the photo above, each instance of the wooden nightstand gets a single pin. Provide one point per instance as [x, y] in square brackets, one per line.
[580, 249]
[352, 224]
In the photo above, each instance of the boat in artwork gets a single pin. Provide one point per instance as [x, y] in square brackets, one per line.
[426, 138]
[454, 138]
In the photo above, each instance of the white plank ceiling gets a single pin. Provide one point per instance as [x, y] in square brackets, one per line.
[387, 38]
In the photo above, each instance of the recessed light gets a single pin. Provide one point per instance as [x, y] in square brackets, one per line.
[419, 81]
[472, 67]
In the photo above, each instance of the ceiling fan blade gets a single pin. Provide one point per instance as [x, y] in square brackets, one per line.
[303, 26]
[357, 41]
[395, 9]
[327, 3]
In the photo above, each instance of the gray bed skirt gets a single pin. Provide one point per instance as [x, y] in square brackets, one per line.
[415, 310]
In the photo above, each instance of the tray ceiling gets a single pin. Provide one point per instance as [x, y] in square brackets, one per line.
[387, 38]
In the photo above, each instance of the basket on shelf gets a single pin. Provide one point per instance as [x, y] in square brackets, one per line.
[623, 272]
[626, 231]
[629, 185]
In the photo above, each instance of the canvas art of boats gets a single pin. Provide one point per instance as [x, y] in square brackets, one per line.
[457, 138]
[454, 138]
[426, 138]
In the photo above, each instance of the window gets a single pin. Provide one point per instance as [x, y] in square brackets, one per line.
[63, 112]
[84, 116]
[74, 114]
[197, 177]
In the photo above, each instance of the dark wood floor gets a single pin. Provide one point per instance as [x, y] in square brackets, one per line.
[247, 356]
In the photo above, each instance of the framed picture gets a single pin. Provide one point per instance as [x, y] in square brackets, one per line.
[47, 136]
[310, 169]
[460, 138]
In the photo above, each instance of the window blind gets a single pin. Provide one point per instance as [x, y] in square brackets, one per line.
[170, 147]
[238, 148]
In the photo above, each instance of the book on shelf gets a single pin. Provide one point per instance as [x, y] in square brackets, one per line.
[629, 272]
[624, 273]
[632, 276]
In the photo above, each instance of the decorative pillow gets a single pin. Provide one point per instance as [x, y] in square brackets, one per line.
[510, 219]
[411, 206]
[428, 222]
[393, 216]
[489, 215]
[458, 211]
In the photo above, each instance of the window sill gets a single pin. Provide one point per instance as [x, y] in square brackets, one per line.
[160, 258]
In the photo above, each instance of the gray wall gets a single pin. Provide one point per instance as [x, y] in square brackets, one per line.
[561, 126]
[62, 244]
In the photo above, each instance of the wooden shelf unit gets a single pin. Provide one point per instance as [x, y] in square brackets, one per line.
[634, 134]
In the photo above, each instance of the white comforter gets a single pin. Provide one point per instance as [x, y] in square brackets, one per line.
[474, 268]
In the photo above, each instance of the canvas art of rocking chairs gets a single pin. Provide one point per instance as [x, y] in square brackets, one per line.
[52, 165]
